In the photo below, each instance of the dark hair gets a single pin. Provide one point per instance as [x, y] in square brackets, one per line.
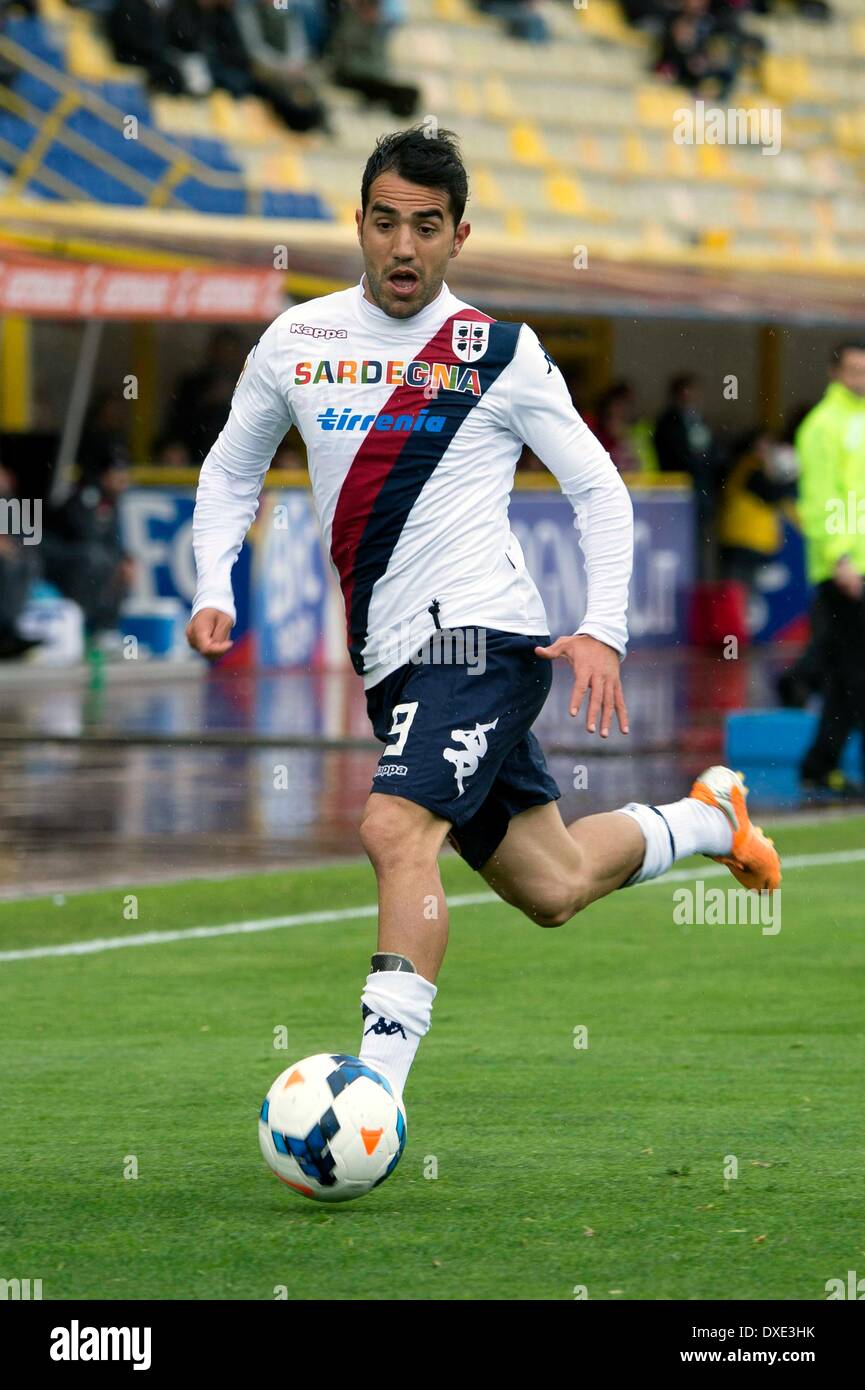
[836, 356]
[433, 161]
[683, 380]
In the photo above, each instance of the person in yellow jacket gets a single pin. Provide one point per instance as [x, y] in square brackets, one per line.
[750, 530]
[830, 443]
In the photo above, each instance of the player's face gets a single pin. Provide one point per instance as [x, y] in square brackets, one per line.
[851, 372]
[407, 238]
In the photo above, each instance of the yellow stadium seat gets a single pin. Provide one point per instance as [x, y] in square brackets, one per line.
[635, 155]
[54, 11]
[225, 117]
[563, 194]
[713, 162]
[527, 146]
[485, 190]
[259, 122]
[787, 77]
[496, 99]
[285, 171]
[679, 160]
[605, 21]
[89, 58]
[467, 97]
[716, 239]
[657, 106]
[515, 223]
[454, 12]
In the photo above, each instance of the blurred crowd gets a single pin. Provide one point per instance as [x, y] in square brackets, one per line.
[279, 50]
[702, 44]
[80, 551]
[743, 484]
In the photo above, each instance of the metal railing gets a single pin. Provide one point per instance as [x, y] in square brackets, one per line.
[52, 128]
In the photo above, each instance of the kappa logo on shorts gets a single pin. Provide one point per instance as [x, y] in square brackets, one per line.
[465, 760]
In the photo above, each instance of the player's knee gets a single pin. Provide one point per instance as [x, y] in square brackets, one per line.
[557, 904]
[394, 833]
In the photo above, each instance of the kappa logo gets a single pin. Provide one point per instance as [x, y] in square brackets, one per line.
[470, 339]
[466, 759]
[311, 331]
[385, 1028]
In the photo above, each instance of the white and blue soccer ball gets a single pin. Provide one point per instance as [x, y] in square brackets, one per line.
[331, 1127]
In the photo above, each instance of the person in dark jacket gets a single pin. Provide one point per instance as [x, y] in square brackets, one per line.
[684, 444]
[83, 553]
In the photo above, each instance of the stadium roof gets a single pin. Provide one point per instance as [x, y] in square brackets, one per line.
[492, 272]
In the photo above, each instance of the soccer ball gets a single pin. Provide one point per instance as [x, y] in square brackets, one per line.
[331, 1127]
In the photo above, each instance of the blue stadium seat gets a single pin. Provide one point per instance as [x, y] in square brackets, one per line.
[221, 201]
[279, 203]
[33, 35]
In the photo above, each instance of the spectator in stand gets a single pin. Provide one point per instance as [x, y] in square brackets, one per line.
[171, 453]
[278, 53]
[614, 422]
[203, 398]
[761, 477]
[137, 31]
[83, 555]
[647, 14]
[359, 57]
[695, 52]
[18, 569]
[207, 32]
[104, 437]
[684, 444]
[522, 18]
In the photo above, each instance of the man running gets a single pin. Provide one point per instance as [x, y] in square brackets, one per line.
[414, 407]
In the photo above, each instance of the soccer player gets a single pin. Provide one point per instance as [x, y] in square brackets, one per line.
[414, 407]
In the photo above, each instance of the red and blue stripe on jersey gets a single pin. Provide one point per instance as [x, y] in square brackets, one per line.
[390, 469]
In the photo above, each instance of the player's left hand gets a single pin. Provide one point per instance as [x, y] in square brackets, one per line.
[597, 670]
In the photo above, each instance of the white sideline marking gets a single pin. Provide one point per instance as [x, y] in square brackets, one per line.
[348, 914]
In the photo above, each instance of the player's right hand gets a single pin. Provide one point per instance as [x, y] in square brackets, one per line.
[209, 632]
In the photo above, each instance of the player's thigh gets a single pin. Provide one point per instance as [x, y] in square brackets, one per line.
[394, 830]
[537, 867]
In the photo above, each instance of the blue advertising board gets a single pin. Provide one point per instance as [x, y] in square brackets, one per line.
[157, 530]
[663, 561]
[284, 589]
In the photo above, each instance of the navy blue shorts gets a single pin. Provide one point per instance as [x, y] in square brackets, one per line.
[456, 722]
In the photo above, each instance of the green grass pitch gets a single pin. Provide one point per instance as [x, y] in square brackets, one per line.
[557, 1166]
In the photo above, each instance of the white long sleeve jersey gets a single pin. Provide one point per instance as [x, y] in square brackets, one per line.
[413, 428]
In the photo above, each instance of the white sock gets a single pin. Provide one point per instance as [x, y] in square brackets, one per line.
[676, 831]
[697, 828]
[397, 1008]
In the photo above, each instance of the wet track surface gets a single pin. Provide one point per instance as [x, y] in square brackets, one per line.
[165, 776]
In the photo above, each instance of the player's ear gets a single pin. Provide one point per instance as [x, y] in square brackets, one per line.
[460, 235]
[358, 222]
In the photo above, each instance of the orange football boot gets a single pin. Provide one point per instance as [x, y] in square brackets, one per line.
[753, 860]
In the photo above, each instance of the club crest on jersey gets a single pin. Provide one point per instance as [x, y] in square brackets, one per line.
[470, 339]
